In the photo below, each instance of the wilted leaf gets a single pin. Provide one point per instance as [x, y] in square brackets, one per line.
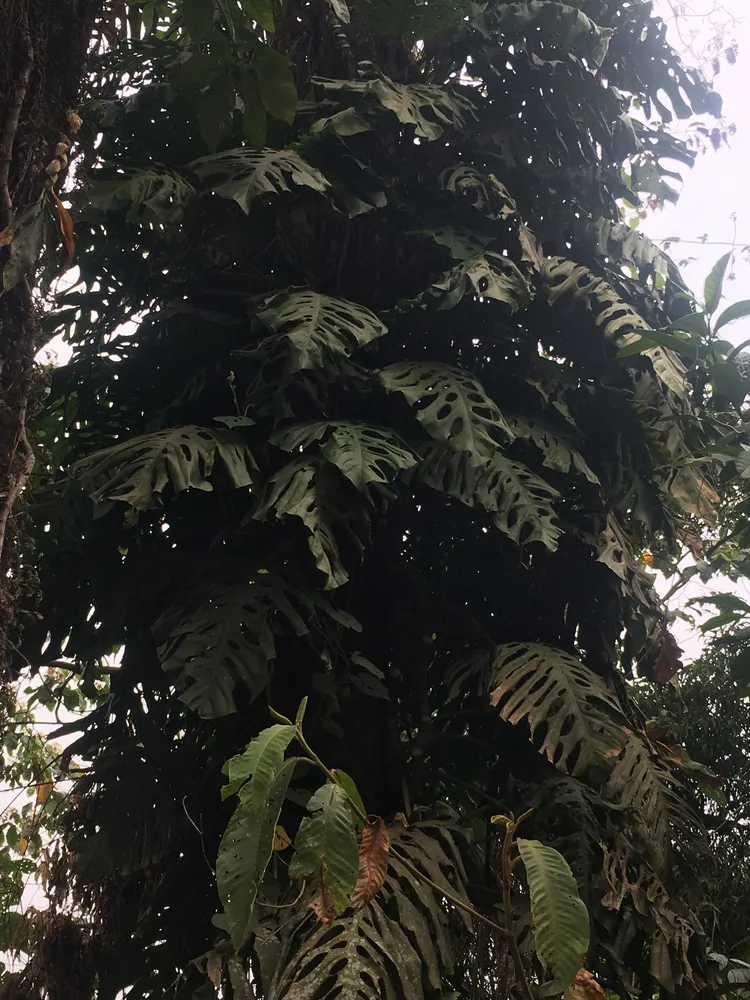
[668, 661]
[373, 862]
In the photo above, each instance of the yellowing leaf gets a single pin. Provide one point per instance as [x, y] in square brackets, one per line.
[43, 792]
[66, 228]
[23, 845]
[281, 839]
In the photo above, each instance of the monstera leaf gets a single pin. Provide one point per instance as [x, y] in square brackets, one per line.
[483, 191]
[262, 776]
[145, 195]
[489, 275]
[519, 499]
[242, 175]
[561, 921]
[415, 20]
[617, 242]
[618, 321]
[576, 719]
[451, 405]
[399, 945]
[429, 108]
[310, 328]
[558, 453]
[138, 471]
[226, 640]
[549, 30]
[640, 781]
[364, 453]
[307, 490]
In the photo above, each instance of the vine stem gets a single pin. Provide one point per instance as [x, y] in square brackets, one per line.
[510, 830]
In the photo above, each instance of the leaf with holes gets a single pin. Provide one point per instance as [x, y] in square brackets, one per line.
[138, 471]
[488, 275]
[325, 850]
[242, 175]
[559, 454]
[451, 405]
[519, 499]
[569, 709]
[225, 641]
[561, 920]
[262, 776]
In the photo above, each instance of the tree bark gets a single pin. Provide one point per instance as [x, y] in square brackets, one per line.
[43, 49]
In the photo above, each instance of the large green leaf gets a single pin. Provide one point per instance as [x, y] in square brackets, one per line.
[247, 844]
[364, 453]
[242, 175]
[561, 920]
[488, 275]
[416, 20]
[226, 640]
[325, 848]
[559, 454]
[307, 490]
[483, 191]
[519, 499]
[138, 471]
[145, 195]
[618, 321]
[570, 711]
[429, 108]
[451, 405]
[549, 30]
[310, 327]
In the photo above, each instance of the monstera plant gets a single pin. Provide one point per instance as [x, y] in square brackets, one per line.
[373, 408]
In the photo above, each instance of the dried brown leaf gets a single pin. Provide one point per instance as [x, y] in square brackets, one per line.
[66, 228]
[668, 661]
[373, 861]
[323, 906]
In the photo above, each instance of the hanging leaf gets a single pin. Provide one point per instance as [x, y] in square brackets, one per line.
[451, 405]
[66, 229]
[215, 111]
[138, 471]
[569, 710]
[276, 83]
[668, 662]
[561, 921]
[364, 453]
[373, 862]
[325, 850]
[242, 175]
[520, 500]
[198, 16]
[226, 640]
[25, 237]
[261, 775]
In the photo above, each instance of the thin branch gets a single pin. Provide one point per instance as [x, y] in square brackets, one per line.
[8, 134]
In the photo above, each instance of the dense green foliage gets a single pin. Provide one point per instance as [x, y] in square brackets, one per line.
[376, 402]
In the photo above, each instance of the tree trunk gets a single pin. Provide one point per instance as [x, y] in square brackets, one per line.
[42, 58]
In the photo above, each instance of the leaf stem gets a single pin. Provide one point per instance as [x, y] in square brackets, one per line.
[510, 830]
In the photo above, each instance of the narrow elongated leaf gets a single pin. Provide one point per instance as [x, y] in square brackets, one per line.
[451, 405]
[738, 310]
[561, 920]
[138, 471]
[715, 284]
[247, 845]
[577, 720]
[242, 175]
[325, 849]
[373, 862]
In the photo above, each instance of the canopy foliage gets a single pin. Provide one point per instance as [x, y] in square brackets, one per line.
[375, 402]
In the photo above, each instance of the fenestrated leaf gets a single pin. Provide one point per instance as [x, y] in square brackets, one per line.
[226, 640]
[451, 405]
[489, 275]
[561, 920]
[642, 783]
[310, 327]
[559, 454]
[325, 849]
[364, 453]
[304, 490]
[571, 713]
[519, 499]
[549, 29]
[145, 195]
[483, 191]
[242, 175]
[414, 19]
[429, 108]
[138, 471]
[618, 321]
[247, 845]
